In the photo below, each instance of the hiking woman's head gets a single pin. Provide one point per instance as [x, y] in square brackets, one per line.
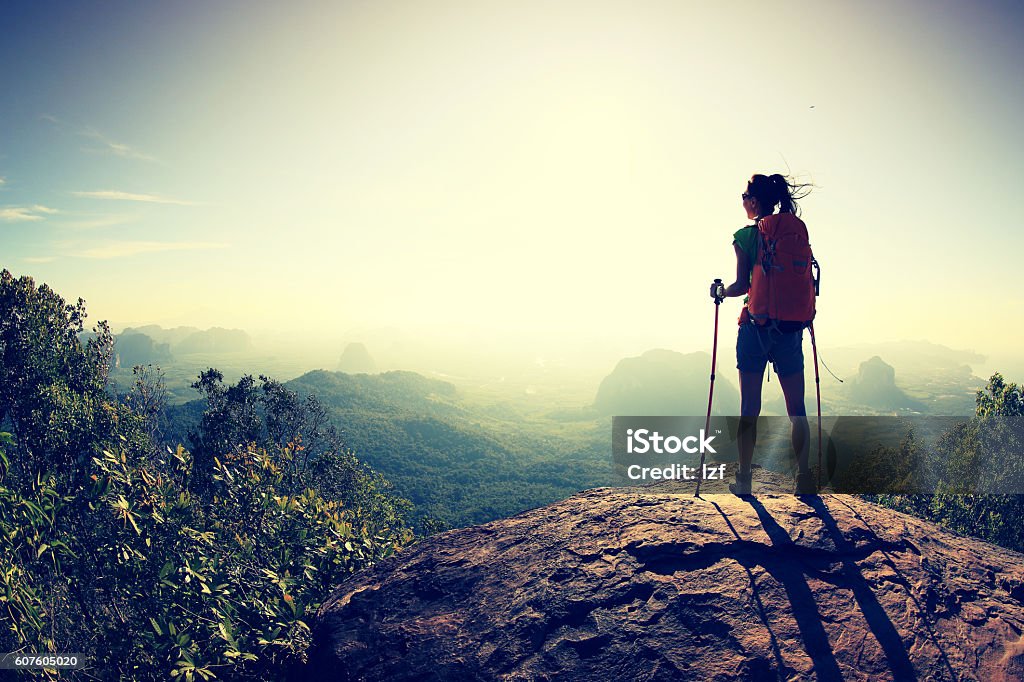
[765, 192]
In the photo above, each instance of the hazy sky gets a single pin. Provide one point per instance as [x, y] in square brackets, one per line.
[530, 169]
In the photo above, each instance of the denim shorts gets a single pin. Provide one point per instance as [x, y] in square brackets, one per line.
[757, 346]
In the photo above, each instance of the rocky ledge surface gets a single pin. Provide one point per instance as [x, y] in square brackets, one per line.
[655, 584]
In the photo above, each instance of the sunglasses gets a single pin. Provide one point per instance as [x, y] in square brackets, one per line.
[747, 196]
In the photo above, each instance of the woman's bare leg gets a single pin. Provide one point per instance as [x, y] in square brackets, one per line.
[750, 409]
[793, 390]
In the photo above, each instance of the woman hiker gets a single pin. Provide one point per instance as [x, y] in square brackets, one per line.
[773, 266]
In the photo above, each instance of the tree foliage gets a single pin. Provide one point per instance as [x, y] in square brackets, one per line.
[51, 386]
[977, 471]
[268, 415]
[107, 546]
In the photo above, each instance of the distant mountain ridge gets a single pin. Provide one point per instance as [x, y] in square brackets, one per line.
[910, 356]
[171, 337]
[215, 340]
[664, 382]
[195, 340]
[875, 386]
[397, 388]
[355, 359]
[132, 349]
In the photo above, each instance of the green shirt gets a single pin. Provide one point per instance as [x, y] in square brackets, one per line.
[746, 239]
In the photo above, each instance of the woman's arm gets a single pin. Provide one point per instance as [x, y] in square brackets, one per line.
[742, 283]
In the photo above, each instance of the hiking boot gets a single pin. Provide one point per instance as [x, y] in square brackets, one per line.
[742, 485]
[805, 484]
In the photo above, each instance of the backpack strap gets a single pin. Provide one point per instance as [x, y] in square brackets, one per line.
[766, 247]
[762, 250]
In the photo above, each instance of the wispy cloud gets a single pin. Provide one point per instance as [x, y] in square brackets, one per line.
[3, 181]
[87, 223]
[109, 146]
[131, 196]
[39, 259]
[124, 249]
[19, 214]
[106, 144]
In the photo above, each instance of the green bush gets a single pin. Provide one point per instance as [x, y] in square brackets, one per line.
[149, 584]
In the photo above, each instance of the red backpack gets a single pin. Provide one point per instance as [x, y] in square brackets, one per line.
[782, 285]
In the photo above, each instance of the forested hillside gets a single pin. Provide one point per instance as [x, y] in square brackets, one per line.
[458, 461]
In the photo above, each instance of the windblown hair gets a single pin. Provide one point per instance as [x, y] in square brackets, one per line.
[776, 190]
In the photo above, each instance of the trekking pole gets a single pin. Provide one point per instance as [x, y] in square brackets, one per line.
[817, 386]
[711, 392]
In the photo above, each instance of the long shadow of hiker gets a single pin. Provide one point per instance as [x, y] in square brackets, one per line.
[790, 564]
[877, 619]
[926, 617]
[792, 574]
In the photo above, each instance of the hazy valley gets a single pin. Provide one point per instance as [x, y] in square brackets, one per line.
[470, 438]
